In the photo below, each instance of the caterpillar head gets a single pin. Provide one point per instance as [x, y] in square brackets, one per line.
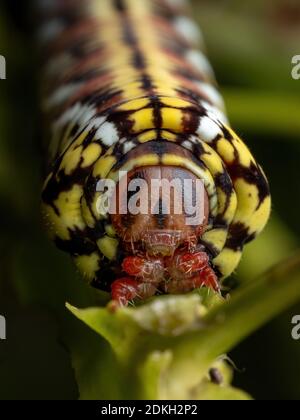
[160, 208]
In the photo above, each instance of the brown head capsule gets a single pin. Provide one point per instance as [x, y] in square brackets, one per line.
[159, 209]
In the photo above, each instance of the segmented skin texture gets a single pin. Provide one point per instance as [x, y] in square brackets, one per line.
[126, 84]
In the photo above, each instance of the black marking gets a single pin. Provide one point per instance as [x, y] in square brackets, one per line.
[223, 181]
[83, 48]
[78, 245]
[161, 217]
[88, 139]
[192, 96]
[109, 272]
[97, 232]
[253, 176]
[238, 236]
[210, 249]
[85, 76]
[190, 121]
[120, 5]
[104, 278]
[220, 222]
[128, 34]
[216, 376]
[139, 60]
[147, 83]
[157, 116]
[124, 125]
[158, 148]
[104, 96]
[171, 47]
[90, 188]
[231, 283]
[188, 75]
[65, 183]
[75, 130]
[250, 238]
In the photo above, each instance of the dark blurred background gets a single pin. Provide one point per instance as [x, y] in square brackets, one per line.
[251, 45]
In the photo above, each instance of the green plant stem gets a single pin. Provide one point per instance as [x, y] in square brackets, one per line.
[228, 324]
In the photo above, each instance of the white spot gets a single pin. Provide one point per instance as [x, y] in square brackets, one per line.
[187, 145]
[86, 114]
[78, 113]
[214, 113]
[200, 62]
[212, 94]
[194, 139]
[128, 146]
[68, 116]
[108, 134]
[208, 129]
[61, 94]
[189, 30]
[95, 123]
[50, 30]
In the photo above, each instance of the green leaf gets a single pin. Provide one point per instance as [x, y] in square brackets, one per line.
[276, 243]
[212, 392]
[253, 111]
[167, 347]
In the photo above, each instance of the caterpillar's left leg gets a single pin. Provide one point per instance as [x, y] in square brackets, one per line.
[144, 276]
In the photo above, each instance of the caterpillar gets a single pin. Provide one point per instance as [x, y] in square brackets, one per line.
[127, 89]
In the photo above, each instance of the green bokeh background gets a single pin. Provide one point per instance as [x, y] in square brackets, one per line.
[250, 45]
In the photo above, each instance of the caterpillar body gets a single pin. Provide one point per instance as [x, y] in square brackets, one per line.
[127, 89]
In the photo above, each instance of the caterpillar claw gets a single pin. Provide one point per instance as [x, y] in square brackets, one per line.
[209, 279]
[124, 290]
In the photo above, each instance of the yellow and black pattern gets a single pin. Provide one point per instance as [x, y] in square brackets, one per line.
[126, 84]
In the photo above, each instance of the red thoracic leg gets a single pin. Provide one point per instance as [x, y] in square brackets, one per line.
[148, 270]
[191, 263]
[209, 279]
[188, 271]
[127, 289]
